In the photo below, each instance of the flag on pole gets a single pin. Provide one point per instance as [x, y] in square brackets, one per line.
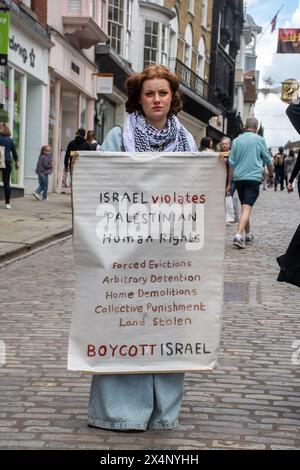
[273, 23]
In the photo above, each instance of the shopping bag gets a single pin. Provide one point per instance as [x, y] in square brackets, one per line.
[236, 207]
[2, 156]
[230, 217]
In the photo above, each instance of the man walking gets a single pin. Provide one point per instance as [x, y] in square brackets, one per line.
[248, 154]
[79, 143]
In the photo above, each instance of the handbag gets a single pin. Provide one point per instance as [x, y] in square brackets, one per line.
[2, 157]
[230, 216]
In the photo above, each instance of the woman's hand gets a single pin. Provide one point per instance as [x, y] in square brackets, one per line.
[16, 165]
[289, 187]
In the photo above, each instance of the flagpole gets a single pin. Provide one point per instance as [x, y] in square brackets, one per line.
[269, 24]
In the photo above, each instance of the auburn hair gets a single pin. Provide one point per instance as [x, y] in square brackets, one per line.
[134, 83]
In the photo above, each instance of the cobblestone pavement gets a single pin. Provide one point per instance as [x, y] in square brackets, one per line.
[251, 401]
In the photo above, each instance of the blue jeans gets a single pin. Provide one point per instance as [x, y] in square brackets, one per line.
[135, 401]
[43, 185]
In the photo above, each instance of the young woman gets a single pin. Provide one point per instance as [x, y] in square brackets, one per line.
[141, 401]
[10, 154]
[90, 138]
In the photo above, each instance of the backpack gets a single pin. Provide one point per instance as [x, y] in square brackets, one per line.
[279, 159]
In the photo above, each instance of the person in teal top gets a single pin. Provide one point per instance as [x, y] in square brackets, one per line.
[248, 154]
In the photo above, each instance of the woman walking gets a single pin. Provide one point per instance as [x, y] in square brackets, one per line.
[10, 153]
[142, 401]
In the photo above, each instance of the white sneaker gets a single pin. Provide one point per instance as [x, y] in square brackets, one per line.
[36, 195]
[7, 206]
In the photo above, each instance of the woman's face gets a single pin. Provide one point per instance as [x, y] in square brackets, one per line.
[155, 99]
[225, 145]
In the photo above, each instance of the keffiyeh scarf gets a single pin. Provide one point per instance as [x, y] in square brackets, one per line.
[139, 136]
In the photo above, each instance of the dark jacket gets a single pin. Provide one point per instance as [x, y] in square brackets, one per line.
[293, 113]
[79, 143]
[290, 262]
[296, 169]
[10, 149]
[44, 165]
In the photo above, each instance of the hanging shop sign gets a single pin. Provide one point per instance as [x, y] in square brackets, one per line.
[104, 83]
[288, 41]
[4, 36]
[290, 90]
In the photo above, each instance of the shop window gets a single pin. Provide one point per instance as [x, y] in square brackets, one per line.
[104, 118]
[4, 94]
[52, 121]
[17, 120]
[11, 102]
[83, 112]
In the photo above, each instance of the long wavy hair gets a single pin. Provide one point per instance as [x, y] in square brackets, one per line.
[134, 84]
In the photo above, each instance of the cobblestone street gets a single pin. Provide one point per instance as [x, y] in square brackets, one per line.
[251, 401]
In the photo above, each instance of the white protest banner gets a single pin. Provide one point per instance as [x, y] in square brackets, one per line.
[149, 247]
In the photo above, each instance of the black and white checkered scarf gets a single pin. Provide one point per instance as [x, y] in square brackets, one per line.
[139, 136]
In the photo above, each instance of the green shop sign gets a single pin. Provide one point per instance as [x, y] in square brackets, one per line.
[4, 36]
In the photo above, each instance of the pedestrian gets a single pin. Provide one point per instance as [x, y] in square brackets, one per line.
[141, 401]
[278, 163]
[79, 143]
[90, 138]
[290, 262]
[43, 170]
[10, 153]
[248, 154]
[293, 113]
[206, 144]
[225, 146]
[289, 166]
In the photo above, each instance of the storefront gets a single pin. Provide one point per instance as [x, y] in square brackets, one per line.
[71, 100]
[23, 99]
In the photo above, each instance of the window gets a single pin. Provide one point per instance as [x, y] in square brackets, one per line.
[74, 6]
[188, 38]
[120, 26]
[102, 7]
[164, 45]
[4, 94]
[92, 11]
[128, 29]
[156, 43]
[204, 13]
[192, 6]
[151, 43]
[116, 23]
[201, 58]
